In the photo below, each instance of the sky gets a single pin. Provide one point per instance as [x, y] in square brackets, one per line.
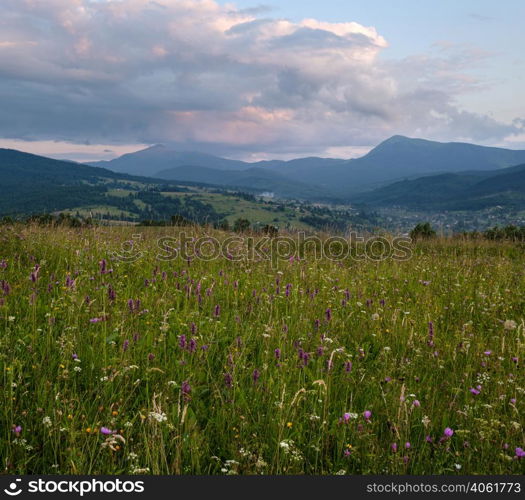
[94, 79]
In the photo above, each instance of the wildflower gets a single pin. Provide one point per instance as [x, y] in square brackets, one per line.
[520, 453]
[255, 375]
[185, 389]
[375, 317]
[106, 431]
[158, 416]
[46, 421]
[217, 311]
[348, 366]
[151, 356]
[487, 353]
[289, 425]
[277, 353]
[416, 403]
[182, 341]
[430, 341]
[285, 445]
[125, 345]
[393, 447]
[328, 314]
[476, 392]
[509, 325]
[407, 445]
[17, 429]
[228, 380]
[367, 414]
[429, 439]
[448, 432]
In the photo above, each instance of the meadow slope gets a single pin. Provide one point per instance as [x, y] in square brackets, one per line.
[304, 366]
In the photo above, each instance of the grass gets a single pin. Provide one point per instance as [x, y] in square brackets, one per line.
[277, 378]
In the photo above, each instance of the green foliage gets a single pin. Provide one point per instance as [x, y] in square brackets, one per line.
[423, 230]
[241, 225]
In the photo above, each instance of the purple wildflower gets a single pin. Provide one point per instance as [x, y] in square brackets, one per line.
[328, 314]
[348, 366]
[277, 353]
[520, 453]
[393, 447]
[185, 389]
[228, 380]
[217, 311]
[416, 403]
[106, 431]
[255, 375]
[430, 341]
[448, 432]
[367, 415]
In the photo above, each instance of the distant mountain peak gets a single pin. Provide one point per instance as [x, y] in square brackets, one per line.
[396, 138]
[156, 147]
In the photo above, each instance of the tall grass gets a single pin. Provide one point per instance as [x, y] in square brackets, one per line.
[239, 367]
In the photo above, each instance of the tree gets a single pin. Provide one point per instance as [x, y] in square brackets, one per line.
[422, 231]
[241, 225]
[270, 230]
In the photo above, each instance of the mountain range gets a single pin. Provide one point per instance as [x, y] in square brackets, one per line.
[401, 172]
[395, 159]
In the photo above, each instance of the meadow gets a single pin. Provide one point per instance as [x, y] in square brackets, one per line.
[304, 366]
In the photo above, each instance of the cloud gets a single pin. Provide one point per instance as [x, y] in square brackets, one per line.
[198, 75]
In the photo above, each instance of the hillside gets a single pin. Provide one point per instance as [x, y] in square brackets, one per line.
[35, 184]
[256, 179]
[474, 190]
